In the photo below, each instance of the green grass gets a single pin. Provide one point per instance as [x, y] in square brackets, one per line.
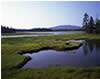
[12, 60]
[21, 33]
[53, 73]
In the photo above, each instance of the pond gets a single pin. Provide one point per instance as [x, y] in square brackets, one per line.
[88, 55]
[40, 34]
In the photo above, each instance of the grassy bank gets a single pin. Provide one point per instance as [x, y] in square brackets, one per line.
[53, 73]
[12, 60]
[5, 34]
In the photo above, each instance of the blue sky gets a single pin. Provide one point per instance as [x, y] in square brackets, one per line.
[32, 14]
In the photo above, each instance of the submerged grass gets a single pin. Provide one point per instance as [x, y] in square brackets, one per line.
[12, 60]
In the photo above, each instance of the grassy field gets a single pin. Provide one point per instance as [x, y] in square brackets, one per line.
[12, 61]
[21, 33]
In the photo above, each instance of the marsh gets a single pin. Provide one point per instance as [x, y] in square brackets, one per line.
[86, 56]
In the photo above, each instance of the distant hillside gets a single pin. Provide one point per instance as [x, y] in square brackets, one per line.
[66, 27]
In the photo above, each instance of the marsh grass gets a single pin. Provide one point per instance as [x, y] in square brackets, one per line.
[12, 60]
[6, 34]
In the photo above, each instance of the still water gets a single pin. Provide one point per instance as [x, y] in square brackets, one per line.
[45, 34]
[88, 55]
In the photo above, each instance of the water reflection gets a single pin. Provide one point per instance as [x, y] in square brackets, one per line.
[85, 48]
[88, 55]
[90, 46]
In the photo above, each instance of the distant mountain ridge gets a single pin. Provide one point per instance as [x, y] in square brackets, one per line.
[66, 27]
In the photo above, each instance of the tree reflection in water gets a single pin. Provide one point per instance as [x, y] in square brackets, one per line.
[90, 46]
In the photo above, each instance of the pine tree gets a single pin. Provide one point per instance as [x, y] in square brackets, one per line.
[97, 26]
[85, 21]
[91, 25]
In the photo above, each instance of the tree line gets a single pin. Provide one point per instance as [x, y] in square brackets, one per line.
[5, 29]
[89, 25]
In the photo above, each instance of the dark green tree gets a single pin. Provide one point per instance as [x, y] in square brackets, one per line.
[5, 29]
[97, 26]
[85, 21]
[90, 25]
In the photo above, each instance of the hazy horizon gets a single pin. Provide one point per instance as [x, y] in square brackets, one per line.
[45, 14]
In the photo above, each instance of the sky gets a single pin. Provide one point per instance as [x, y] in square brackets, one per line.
[45, 14]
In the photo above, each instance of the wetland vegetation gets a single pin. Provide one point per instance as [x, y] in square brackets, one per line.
[12, 59]
[48, 40]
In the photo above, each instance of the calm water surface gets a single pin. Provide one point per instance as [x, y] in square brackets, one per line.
[88, 55]
[45, 34]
